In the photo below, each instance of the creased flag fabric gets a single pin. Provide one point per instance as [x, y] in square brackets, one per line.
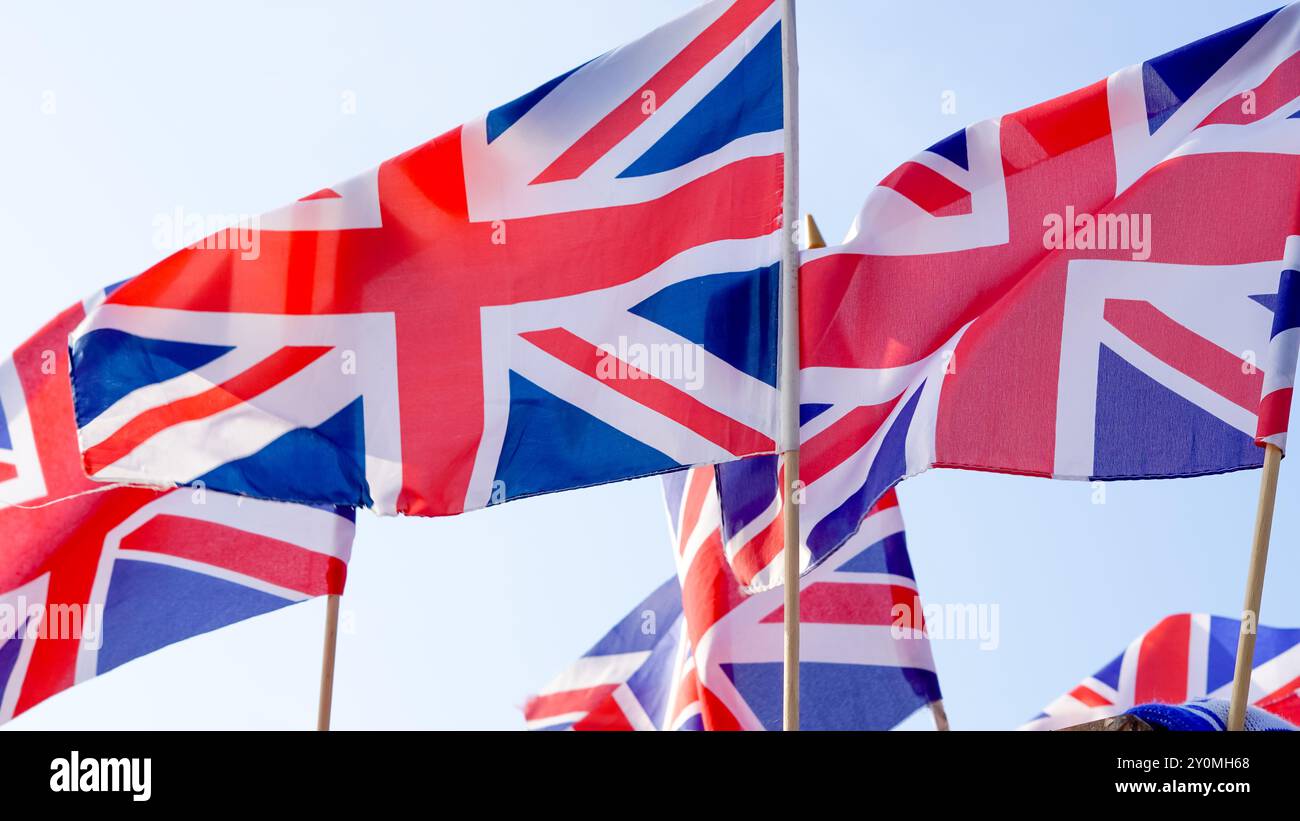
[714, 659]
[92, 576]
[625, 680]
[1283, 349]
[576, 288]
[865, 660]
[1081, 290]
[1184, 657]
[1285, 705]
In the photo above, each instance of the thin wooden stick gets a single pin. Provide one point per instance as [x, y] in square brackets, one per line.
[327, 661]
[790, 532]
[940, 716]
[789, 361]
[1254, 588]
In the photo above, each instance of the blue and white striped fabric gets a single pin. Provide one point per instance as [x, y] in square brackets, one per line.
[1205, 715]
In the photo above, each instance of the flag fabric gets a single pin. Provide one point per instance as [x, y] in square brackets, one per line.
[1206, 715]
[93, 576]
[752, 510]
[1285, 705]
[1283, 350]
[715, 662]
[1184, 657]
[1079, 290]
[624, 682]
[578, 287]
[865, 660]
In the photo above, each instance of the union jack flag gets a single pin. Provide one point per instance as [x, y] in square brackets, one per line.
[625, 680]
[1184, 657]
[1283, 350]
[578, 287]
[93, 576]
[1079, 290]
[715, 662]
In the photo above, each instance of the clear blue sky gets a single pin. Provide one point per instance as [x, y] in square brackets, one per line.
[236, 108]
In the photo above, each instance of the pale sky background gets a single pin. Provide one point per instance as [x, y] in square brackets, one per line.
[235, 107]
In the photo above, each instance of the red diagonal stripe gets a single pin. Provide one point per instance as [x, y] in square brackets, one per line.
[709, 590]
[828, 449]
[1089, 696]
[1282, 693]
[890, 499]
[759, 552]
[929, 189]
[688, 692]
[1162, 662]
[261, 557]
[323, 194]
[666, 82]
[699, 481]
[566, 701]
[735, 437]
[607, 716]
[717, 715]
[1286, 707]
[848, 603]
[263, 376]
[7, 471]
[1281, 87]
[1187, 352]
[763, 548]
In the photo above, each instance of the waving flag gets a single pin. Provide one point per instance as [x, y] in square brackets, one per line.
[624, 681]
[93, 576]
[578, 287]
[715, 659]
[865, 659]
[1080, 290]
[1286, 706]
[1283, 350]
[1184, 657]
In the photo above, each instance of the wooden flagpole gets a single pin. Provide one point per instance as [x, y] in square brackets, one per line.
[790, 534]
[789, 362]
[790, 465]
[940, 716]
[327, 662]
[1254, 588]
[813, 237]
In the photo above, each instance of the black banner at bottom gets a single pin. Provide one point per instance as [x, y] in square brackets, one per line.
[307, 770]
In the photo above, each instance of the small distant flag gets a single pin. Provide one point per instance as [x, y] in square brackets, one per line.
[625, 681]
[713, 660]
